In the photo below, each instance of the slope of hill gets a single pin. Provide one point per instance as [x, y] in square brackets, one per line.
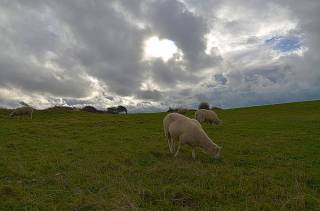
[64, 160]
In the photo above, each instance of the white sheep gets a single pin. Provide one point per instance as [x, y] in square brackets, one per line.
[208, 116]
[26, 110]
[183, 130]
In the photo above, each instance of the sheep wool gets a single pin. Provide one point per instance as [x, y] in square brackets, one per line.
[181, 130]
[207, 116]
[26, 110]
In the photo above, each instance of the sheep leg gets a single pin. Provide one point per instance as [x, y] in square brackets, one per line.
[169, 144]
[172, 145]
[178, 149]
[193, 153]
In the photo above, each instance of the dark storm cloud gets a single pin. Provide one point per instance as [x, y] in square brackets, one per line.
[220, 79]
[150, 95]
[101, 43]
[27, 41]
[77, 52]
[172, 20]
[170, 73]
[16, 72]
[111, 47]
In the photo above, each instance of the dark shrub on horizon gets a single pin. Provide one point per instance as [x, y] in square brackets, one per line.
[170, 110]
[121, 108]
[91, 109]
[117, 110]
[204, 105]
[179, 110]
[112, 110]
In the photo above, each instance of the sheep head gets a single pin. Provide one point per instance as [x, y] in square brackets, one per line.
[217, 122]
[216, 154]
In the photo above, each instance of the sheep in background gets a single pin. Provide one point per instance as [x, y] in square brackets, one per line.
[208, 116]
[183, 130]
[26, 110]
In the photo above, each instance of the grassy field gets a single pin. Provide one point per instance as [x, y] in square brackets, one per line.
[72, 160]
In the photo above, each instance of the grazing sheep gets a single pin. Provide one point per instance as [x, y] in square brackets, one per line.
[208, 116]
[167, 121]
[183, 130]
[26, 110]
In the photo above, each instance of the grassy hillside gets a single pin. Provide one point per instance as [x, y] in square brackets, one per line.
[69, 160]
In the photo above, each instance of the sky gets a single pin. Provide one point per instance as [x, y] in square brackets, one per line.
[152, 54]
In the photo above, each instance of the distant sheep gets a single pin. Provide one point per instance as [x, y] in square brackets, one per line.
[207, 116]
[26, 110]
[183, 130]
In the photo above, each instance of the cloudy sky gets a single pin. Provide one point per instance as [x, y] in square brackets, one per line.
[151, 54]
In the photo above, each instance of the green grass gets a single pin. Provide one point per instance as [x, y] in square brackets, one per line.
[72, 160]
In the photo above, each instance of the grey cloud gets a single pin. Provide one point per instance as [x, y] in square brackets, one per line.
[15, 72]
[31, 31]
[252, 40]
[185, 92]
[172, 20]
[5, 103]
[101, 42]
[253, 77]
[108, 97]
[171, 73]
[220, 79]
[111, 46]
[75, 102]
[273, 74]
[150, 95]
[48, 48]
[27, 38]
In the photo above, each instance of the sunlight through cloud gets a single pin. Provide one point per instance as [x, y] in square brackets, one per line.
[156, 48]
